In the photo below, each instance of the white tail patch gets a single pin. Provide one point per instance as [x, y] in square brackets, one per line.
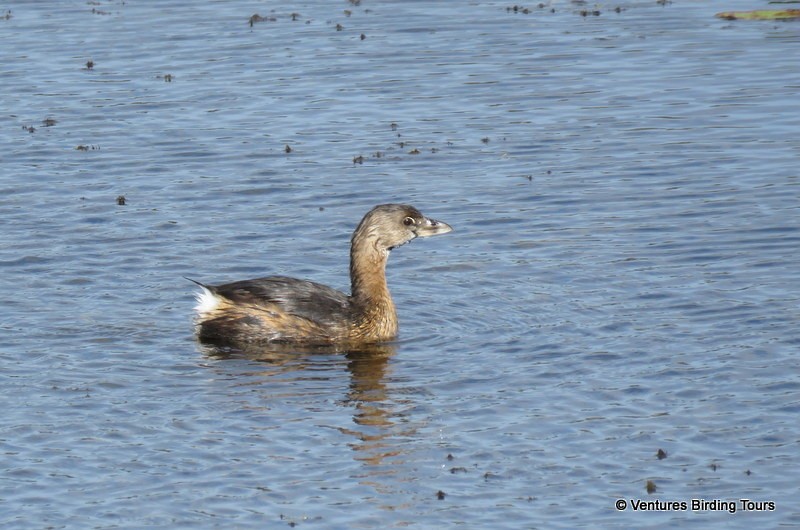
[206, 302]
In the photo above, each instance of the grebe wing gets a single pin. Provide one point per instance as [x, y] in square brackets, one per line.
[302, 298]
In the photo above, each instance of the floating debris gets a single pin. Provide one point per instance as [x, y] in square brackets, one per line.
[651, 487]
[762, 14]
[87, 147]
[527, 10]
[258, 18]
[518, 9]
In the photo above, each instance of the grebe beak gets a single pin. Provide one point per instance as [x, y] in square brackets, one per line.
[432, 227]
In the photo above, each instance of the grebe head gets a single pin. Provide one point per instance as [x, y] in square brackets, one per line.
[392, 225]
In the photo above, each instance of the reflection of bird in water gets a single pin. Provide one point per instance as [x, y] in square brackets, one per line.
[281, 309]
[375, 410]
[368, 369]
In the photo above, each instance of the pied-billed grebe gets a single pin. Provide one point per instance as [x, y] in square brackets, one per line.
[281, 309]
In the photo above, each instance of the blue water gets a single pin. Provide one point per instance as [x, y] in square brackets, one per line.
[623, 275]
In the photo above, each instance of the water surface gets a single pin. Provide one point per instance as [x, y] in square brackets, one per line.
[622, 278]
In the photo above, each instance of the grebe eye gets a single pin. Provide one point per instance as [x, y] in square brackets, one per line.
[408, 221]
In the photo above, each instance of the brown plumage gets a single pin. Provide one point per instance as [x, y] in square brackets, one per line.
[282, 309]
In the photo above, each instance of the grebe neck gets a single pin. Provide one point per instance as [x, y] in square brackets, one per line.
[375, 316]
